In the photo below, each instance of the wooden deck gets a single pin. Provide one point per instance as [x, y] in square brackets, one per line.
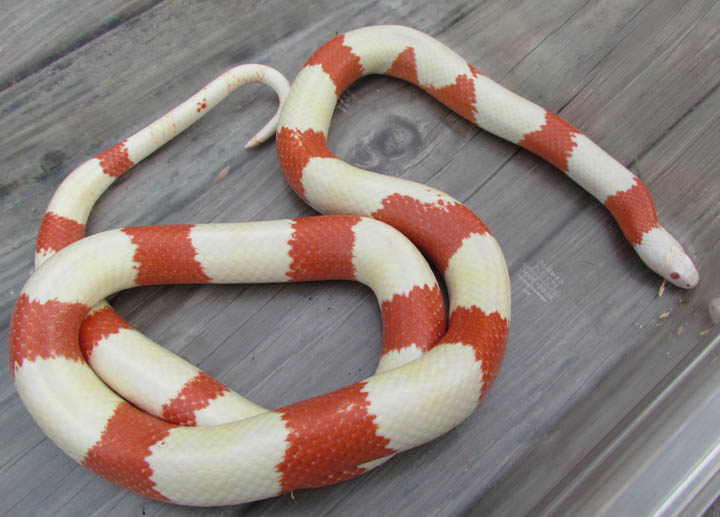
[592, 347]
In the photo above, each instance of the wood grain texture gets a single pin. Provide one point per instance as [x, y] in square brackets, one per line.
[587, 342]
[39, 32]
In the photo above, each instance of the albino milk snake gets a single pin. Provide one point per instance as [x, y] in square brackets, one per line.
[206, 445]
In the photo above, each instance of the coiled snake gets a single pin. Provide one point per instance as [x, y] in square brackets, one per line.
[195, 442]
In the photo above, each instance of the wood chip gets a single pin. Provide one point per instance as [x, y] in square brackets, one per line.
[714, 310]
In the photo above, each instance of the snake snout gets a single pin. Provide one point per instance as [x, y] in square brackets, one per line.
[682, 271]
[664, 255]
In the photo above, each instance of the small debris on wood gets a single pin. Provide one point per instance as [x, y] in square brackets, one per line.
[714, 310]
[220, 175]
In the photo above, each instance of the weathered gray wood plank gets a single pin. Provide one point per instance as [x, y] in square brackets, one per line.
[587, 344]
[35, 33]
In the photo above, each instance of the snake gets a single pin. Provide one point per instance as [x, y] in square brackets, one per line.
[194, 441]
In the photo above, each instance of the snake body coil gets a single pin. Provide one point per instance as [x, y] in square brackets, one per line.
[189, 439]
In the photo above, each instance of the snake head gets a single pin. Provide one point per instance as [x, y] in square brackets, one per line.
[664, 255]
